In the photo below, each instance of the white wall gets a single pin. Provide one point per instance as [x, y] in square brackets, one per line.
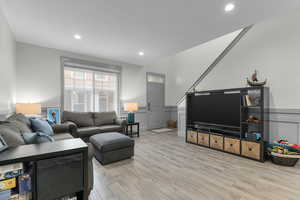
[184, 68]
[273, 48]
[7, 67]
[39, 76]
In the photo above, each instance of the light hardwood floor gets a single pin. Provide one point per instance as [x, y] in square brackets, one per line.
[166, 168]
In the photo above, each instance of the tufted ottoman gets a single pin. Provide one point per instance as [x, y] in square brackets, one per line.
[111, 147]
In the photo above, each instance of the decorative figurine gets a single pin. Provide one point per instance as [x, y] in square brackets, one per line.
[254, 81]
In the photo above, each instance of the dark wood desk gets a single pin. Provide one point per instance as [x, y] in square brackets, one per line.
[50, 151]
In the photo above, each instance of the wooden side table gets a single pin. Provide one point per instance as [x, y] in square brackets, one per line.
[129, 129]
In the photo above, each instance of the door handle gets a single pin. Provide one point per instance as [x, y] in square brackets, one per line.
[148, 106]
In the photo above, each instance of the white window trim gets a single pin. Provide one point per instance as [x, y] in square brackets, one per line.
[90, 65]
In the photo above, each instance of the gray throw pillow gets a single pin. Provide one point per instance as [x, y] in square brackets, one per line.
[12, 137]
[36, 138]
[20, 117]
[20, 126]
[41, 126]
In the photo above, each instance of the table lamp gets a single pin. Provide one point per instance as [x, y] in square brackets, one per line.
[130, 108]
[31, 109]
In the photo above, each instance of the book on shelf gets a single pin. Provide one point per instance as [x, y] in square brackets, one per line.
[11, 171]
[248, 100]
[24, 182]
[8, 184]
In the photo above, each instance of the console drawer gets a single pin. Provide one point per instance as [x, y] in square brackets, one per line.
[251, 149]
[203, 139]
[192, 137]
[216, 142]
[232, 145]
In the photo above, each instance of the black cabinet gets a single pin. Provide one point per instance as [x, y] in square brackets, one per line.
[59, 168]
[64, 175]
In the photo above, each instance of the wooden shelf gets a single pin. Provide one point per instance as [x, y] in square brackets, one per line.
[249, 149]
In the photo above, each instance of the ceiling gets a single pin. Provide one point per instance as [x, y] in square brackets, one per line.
[118, 29]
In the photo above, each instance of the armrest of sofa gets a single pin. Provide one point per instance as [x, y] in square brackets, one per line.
[121, 122]
[66, 127]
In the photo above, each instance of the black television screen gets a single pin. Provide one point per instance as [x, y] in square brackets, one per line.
[222, 109]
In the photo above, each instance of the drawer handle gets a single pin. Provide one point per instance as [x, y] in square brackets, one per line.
[231, 145]
[216, 141]
[250, 149]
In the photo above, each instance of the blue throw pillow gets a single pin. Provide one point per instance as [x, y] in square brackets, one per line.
[36, 138]
[42, 126]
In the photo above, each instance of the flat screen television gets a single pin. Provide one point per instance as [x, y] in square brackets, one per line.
[220, 109]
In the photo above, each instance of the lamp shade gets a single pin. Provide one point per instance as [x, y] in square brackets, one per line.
[28, 108]
[130, 107]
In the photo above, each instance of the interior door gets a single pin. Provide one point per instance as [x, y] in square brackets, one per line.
[156, 114]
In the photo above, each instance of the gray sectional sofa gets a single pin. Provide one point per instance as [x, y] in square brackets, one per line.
[86, 124]
[13, 127]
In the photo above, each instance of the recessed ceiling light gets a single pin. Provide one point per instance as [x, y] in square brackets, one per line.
[77, 36]
[229, 7]
[141, 53]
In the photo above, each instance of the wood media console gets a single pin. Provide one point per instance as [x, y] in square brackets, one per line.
[243, 133]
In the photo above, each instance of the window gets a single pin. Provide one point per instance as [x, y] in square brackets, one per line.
[87, 90]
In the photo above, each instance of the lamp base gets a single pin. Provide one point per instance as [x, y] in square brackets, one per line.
[130, 118]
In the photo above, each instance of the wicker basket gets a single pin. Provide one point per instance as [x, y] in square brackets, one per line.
[285, 160]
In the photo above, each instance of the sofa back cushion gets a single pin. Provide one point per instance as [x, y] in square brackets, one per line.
[81, 119]
[105, 118]
[11, 136]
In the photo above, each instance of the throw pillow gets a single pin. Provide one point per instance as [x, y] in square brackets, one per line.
[12, 137]
[41, 126]
[36, 138]
[20, 117]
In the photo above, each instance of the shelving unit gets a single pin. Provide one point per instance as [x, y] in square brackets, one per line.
[59, 168]
[232, 139]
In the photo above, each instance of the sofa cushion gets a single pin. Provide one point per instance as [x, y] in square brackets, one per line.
[36, 138]
[20, 117]
[111, 141]
[105, 118]
[11, 136]
[81, 119]
[42, 126]
[62, 136]
[88, 131]
[110, 128]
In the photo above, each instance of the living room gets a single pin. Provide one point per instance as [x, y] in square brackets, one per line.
[149, 100]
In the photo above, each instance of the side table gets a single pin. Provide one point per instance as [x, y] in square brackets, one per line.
[129, 129]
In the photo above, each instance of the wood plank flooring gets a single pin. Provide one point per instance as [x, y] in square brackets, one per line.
[166, 168]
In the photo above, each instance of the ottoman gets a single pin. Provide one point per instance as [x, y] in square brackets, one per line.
[111, 147]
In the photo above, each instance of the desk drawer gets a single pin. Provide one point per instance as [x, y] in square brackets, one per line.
[203, 139]
[251, 149]
[192, 136]
[216, 142]
[232, 145]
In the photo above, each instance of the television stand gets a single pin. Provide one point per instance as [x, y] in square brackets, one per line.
[237, 140]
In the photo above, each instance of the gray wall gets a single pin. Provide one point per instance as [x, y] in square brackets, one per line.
[7, 68]
[272, 47]
[184, 68]
[141, 116]
[39, 76]
[39, 79]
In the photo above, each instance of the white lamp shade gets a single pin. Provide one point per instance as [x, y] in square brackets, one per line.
[28, 108]
[130, 107]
